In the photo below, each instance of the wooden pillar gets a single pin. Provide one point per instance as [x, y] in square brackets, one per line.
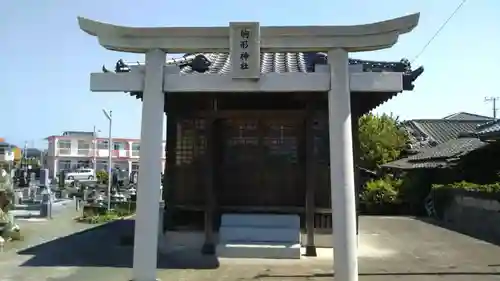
[209, 245]
[356, 148]
[310, 182]
[170, 168]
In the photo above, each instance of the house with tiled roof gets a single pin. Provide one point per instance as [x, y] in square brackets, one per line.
[450, 152]
[427, 133]
[467, 116]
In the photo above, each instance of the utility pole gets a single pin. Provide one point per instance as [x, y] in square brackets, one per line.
[94, 150]
[493, 100]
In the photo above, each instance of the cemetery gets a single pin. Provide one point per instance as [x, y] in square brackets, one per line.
[91, 198]
[22, 196]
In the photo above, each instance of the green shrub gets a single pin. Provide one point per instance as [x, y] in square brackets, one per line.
[469, 186]
[102, 176]
[102, 218]
[101, 215]
[381, 191]
[443, 194]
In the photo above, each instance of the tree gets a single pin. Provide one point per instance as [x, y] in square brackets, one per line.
[382, 140]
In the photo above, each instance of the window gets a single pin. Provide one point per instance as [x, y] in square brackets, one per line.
[102, 144]
[64, 165]
[64, 144]
[64, 147]
[135, 166]
[83, 147]
[101, 165]
[83, 163]
[118, 145]
[135, 149]
[191, 142]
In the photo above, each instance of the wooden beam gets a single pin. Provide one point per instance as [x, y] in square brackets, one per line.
[258, 114]
[208, 172]
[169, 187]
[255, 209]
[357, 154]
[310, 180]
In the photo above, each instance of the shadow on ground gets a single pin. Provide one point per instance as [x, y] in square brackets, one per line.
[391, 274]
[469, 231]
[102, 246]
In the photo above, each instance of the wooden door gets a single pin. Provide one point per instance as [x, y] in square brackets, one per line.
[260, 162]
[283, 165]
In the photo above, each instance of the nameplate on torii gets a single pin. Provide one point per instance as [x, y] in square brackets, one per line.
[245, 50]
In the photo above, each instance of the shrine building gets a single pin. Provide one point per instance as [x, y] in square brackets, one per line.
[259, 121]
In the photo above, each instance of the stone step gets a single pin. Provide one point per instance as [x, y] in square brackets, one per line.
[256, 250]
[261, 220]
[240, 234]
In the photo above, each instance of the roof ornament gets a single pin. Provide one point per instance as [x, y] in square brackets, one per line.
[200, 64]
[121, 66]
[410, 77]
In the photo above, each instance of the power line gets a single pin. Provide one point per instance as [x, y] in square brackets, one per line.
[439, 30]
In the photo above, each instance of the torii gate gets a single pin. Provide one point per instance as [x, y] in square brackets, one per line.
[245, 41]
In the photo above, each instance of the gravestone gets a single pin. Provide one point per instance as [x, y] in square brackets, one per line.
[44, 177]
[37, 194]
[19, 196]
[46, 204]
[61, 179]
[85, 194]
[26, 193]
[32, 178]
[64, 194]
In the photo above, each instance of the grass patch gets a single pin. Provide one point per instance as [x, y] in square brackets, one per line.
[100, 214]
[103, 218]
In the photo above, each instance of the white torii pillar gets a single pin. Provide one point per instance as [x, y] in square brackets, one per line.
[150, 163]
[341, 168]
[338, 40]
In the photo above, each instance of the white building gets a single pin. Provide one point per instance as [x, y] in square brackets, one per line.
[81, 149]
[6, 155]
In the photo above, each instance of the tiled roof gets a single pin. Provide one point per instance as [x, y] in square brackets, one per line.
[425, 133]
[220, 63]
[441, 155]
[440, 142]
[452, 148]
[489, 129]
[33, 152]
[468, 116]
[6, 144]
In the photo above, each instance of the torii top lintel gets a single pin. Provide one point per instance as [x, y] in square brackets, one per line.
[355, 38]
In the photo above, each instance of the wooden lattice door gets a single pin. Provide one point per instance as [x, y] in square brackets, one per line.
[260, 162]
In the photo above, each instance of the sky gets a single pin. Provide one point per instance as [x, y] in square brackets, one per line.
[47, 59]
